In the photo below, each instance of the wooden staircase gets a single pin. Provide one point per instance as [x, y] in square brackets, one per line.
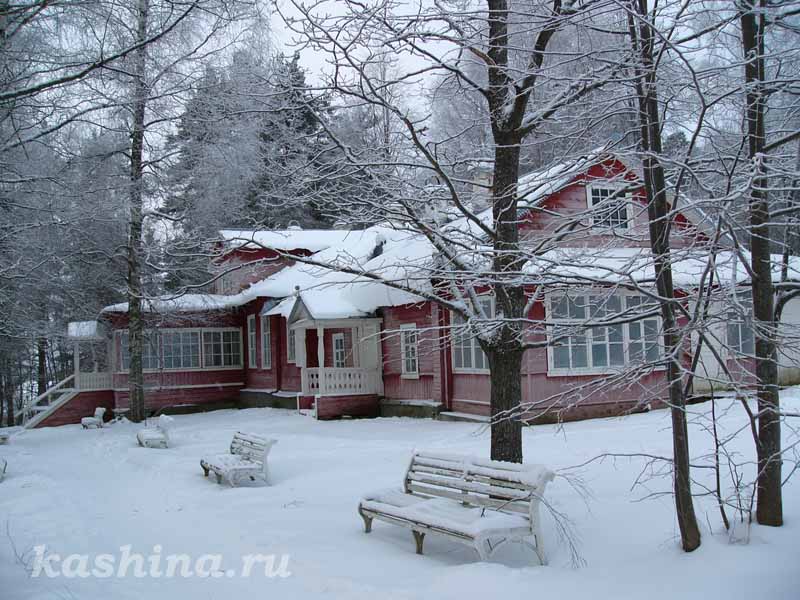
[38, 409]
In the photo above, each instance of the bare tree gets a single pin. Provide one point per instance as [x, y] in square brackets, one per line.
[769, 509]
[510, 43]
[641, 26]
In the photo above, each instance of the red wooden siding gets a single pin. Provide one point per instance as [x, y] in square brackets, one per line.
[82, 405]
[260, 378]
[563, 206]
[425, 315]
[331, 407]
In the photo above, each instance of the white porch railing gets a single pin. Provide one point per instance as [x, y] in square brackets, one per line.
[94, 381]
[340, 382]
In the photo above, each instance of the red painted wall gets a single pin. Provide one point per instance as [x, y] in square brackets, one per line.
[82, 405]
[354, 406]
[428, 386]
[562, 207]
[259, 378]
[156, 399]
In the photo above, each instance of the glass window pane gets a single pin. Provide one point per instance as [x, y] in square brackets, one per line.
[579, 352]
[747, 338]
[577, 307]
[599, 355]
[616, 354]
[560, 308]
[561, 357]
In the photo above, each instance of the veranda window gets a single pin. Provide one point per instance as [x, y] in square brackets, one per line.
[222, 348]
[580, 347]
[150, 354]
[181, 349]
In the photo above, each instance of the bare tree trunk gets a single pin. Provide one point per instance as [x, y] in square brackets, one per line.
[41, 370]
[641, 31]
[505, 354]
[769, 507]
[135, 324]
[9, 393]
[506, 396]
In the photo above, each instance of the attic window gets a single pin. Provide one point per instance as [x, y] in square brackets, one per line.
[609, 207]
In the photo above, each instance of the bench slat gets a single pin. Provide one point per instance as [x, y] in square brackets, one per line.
[472, 499]
[472, 486]
[473, 477]
[527, 476]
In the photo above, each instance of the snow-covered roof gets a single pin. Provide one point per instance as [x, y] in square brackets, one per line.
[576, 266]
[405, 256]
[385, 251]
[83, 330]
[183, 303]
[312, 240]
[395, 254]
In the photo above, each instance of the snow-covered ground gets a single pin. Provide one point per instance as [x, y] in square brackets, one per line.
[92, 492]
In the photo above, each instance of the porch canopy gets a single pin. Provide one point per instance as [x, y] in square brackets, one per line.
[352, 363]
[93, 336]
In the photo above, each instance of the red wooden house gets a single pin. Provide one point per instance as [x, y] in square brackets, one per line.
[279, 332]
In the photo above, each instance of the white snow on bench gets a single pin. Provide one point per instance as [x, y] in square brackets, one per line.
[246, 463]
[158, 436]
[478, 502]
[96, 421]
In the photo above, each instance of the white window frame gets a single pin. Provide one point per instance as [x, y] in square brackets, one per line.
[291, 345]
[252, 333]
[221, 330]
[199, 333]
[404, 372]
[118, 352]
[553, 371]
[734, 318]
[615, 188]
[474, 345]
[339, 364]
[199, 330]
[266, 343]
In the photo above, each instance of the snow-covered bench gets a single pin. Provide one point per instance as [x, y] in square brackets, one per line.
[158, 436]
[478, 502]
[4, 437]
[246, 463]
[96, 420]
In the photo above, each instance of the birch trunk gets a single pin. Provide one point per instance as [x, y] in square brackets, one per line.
[136, 217]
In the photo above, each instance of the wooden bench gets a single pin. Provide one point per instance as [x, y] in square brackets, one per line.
[158, 436]
[246, 463]
[96, 421]
[478, 502]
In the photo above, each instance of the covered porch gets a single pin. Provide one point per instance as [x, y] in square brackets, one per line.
[338, 357]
